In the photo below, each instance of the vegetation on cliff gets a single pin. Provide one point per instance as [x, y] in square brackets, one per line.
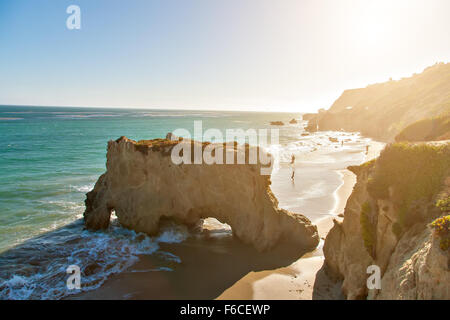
[431, 129]
[442, 228]
[367, 229]
[444, 204]
[411, 175]
[442, 225]
[397, 218]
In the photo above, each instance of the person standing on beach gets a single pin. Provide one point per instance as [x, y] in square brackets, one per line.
[293, 166]
[367, 149]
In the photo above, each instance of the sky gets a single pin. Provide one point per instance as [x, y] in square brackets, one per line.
[256, 55]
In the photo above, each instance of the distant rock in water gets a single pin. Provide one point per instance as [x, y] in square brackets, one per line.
[293, 121]
[387, 224]
[332, 139]
[277, 123]
[142, 185]
[383, 110]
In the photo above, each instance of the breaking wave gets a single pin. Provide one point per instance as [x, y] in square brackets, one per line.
[37, 268]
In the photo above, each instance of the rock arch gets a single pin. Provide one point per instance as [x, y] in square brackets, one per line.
[143, 185]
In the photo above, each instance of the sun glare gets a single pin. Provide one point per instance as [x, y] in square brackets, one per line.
[372, 26]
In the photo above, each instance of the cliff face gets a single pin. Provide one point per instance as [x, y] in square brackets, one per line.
[418, 269]
[143, 185]
[382, 110]
[386, 223]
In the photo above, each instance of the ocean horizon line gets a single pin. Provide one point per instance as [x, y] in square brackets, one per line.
[153, 109]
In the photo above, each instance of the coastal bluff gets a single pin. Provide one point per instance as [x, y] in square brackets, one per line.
[383, 110]
[398, 219]
[143, 186]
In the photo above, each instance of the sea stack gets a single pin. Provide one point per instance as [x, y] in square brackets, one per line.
[276, 123]
[143, 185]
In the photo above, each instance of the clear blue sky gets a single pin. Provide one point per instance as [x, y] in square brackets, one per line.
[288, 55]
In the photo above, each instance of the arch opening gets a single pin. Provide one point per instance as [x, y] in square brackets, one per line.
[213, 227]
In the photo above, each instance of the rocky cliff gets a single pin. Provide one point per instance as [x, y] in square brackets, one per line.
[388, 222]
[142, 185]
[382, 110]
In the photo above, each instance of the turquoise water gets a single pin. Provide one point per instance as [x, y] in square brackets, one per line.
[50, 157]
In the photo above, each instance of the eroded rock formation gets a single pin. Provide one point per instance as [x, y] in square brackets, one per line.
[143, 185]
[386, 223]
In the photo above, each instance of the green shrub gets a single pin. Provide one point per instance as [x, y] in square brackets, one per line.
[441, 227]
[426, 129]
[379, 188]
[365, 166]
[415, 173]
[367, 229]
[444, 204]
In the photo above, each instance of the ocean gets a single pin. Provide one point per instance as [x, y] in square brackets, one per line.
[50, 157]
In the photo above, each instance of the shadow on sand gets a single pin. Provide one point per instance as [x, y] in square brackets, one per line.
[207, 268]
